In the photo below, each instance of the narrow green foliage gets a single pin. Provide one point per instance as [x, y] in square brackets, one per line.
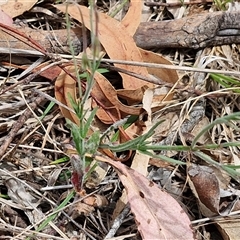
[130, 120]
[85, 142]
[226, 81]
[232, 172]
[233, 166]
[162, 157]
[149, 133]
[87, 124]
[60, 160]
[226, 119]
[92, 143]
[86, 64]
[222, 4]
[76, 136]
[100, 70]
[53, 215]
[133, 144]
[76, 106]
[218, 146]
[152, 147]
[206, 158]
[4, 196]
[47, 110]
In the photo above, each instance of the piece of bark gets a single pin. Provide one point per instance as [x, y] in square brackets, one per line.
[196, 31]
[54, 41]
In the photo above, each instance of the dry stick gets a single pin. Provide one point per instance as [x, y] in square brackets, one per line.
[118, 222]
[155, 80]
[196, 31]
[15, 229]
[29, 78]
[177, 4]
[167, 66]
[17, 126]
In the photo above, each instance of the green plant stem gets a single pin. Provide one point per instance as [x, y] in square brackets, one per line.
[53, 215]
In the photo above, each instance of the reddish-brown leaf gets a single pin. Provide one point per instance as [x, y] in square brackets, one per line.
[105, 93]
[65, 86]
[16, 8]
[116, 41]
[210, 188]
[157, 214]
[167, 75]
[132, 18]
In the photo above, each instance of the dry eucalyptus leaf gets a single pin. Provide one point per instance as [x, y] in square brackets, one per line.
[229, 228]
[157, 214]
[132, 19]
[206, 188]
[15, 8]
[105, 93]
[132, 96]
[65, 85]
[167, 75]
[116, 41]
[210, 188]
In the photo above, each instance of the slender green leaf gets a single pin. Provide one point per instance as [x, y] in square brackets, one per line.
[129, 145]
[53, 215]
[86, 126]
[150, 132]
[232, 172]
[76, 107]
[226, 119]
[4, 196]
[86, 74]
[206, 158]
[162, 157]
[47, 110]
[59, 161]
[164, 147]
[226, 81]
[76, 136]
[218, 146]
[233, 166]
[133, 144]
[128, 123]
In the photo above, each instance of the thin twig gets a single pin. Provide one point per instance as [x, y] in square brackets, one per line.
[118, 222]
[17, 126]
